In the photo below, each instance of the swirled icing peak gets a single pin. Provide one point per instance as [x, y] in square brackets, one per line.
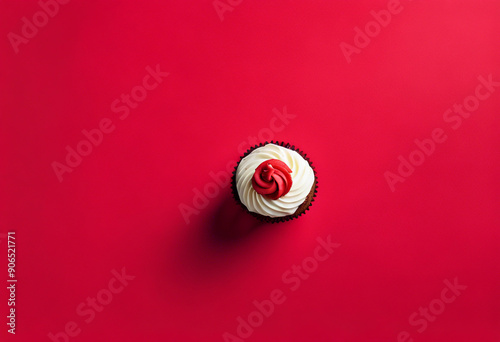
[302, 175]
[272, 179]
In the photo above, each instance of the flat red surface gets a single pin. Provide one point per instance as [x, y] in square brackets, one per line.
[120, 205]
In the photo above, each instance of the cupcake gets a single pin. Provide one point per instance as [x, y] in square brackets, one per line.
[274, 182]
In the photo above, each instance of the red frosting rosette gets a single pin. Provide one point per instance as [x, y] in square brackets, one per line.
[272, 179]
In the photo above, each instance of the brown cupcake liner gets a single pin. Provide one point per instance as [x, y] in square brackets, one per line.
[267, 218]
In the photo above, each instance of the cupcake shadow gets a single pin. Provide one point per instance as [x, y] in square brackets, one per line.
[216, 247]
[230, 222]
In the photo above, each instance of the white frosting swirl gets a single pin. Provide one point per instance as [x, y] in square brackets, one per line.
[302, 181]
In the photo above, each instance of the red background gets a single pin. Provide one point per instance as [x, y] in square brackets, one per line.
[120, 207]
